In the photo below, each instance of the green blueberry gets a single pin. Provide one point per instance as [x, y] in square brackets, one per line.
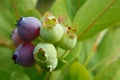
[45, 55]
[68, 40]
[51, 31]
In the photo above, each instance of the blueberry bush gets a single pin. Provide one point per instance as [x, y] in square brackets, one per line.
[59, 39]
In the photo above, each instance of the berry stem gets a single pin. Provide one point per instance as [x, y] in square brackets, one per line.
[41, 40]
[49, 76]
[38, 68]
[8, 45]
[65, 53]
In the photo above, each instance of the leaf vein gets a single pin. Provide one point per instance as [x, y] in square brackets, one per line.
[95, 20]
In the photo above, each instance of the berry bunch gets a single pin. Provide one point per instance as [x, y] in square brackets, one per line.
[43, 53]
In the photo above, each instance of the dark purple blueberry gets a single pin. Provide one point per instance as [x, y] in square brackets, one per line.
[24, 54]
[28, 28]
[16, 38]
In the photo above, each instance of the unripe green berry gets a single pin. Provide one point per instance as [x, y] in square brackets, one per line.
[51, 31]
[68, 40]
[46, 56]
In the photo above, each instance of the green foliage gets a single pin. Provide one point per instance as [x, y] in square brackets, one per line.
[111, 42]
[110, 72]
[96, 58]
[96, 15]
[59, 10]
[18, 75]
[78, 72]
[32, 12]
[73, 6]
[7, 66]
[75, 71]
[108, 49]
[72, 54]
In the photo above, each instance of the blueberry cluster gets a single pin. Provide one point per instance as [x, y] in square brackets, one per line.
[43, 53]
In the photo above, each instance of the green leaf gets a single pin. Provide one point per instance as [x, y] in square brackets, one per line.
[74, 71]
[56, 75]
[7, 64]
[60, 52]
[73, 6]
[16, 7]
[44, 5]
[96, 15]
[35, 74]
[73, 54]
[116, 76]
[69, 56]
[5, 28]
[59, 10]
[87, 51]
[108, 50]
[61, 64]
[110, 45]
[79, 72]
[110, 72]
[4, 76]
[32, 12]
[23, 5]
[32, 73]
[19, 75]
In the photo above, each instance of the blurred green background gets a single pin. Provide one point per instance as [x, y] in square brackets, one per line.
[97, 53]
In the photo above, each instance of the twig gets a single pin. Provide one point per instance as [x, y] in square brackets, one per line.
[38, 68]
[16, 10]
[6, 44]
[64, 54]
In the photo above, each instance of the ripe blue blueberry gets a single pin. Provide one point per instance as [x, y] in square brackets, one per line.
[24, 54]
[28, 28]
[16, 38]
